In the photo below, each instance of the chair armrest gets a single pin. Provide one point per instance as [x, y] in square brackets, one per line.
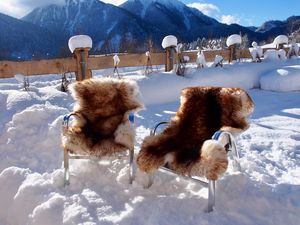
[230, 145]
[153, 132]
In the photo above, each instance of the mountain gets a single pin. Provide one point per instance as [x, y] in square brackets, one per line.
[174, 17]
[276, 27]
[129, 27]
[109, 26]
[19, 39]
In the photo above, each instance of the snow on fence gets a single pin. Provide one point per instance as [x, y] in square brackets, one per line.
[96, 62]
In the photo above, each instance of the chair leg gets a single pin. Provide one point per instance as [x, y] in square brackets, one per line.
[131, 169]
[211, 195]
[66, 168]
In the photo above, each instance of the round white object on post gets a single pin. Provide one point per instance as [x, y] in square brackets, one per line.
[281, 39]
[80, 41]
[169, 41]
[148, 54]
[234, 39]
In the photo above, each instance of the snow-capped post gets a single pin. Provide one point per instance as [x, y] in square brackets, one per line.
[294, 49]
[80, 45]
[232, 42]
[116, 64]
[149, 68]
[23, 81]
[180, 61]
[169, 43]
[201, 61]
[256, 52]
[280, 40]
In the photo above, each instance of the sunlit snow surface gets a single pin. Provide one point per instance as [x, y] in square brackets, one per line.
[266, 191]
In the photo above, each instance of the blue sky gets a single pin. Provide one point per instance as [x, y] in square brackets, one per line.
[253, 12]
[244, 12]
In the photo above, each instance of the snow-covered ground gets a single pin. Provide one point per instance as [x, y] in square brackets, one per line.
[266, 191]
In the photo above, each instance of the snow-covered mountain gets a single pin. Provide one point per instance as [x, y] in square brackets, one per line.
[127, 27]
[132, 23]
[275, 27]
[174, 17]
[19, 39]
[108, 25]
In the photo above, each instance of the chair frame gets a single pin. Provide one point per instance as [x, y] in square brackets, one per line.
[68, 155]
[209, 184]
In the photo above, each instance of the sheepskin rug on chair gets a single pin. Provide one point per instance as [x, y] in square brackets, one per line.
[102, 127]
[185, 146]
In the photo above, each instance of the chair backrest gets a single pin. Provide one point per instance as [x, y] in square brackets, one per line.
[102, 109]
[203, 111]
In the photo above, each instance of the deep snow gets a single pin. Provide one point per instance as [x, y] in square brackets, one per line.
[266, 191]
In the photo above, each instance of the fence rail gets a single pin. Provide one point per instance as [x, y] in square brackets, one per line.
[96, 62]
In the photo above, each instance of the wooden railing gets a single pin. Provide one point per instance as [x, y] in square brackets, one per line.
[96, 62]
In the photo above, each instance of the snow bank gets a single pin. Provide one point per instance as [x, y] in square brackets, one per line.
[243, 75]
[31, 174]
[169, 41]
[271, 55]
[284, 79]
[233, 39]
[80, 41]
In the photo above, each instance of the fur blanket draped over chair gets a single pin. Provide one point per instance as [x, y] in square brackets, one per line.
[101, 127]
[185, 146]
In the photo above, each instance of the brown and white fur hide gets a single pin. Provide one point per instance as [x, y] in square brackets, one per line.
[185, 144]
[102, 108]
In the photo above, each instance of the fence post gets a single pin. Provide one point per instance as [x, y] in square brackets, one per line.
[170, 51]
[80, 45]
[169, 43]
[83, 72]
[233, 53]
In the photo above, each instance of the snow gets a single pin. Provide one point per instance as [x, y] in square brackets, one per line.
[233, 39]
[271, 55]
[265, 191]
[256, 51]
[281, 39]
[201, 62]
[116, 60]
[284, 79]
[169, 41]
[80, 41]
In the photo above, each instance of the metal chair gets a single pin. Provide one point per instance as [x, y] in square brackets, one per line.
[232, 152]
[68, 154]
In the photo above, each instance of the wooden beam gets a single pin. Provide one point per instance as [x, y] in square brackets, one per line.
[30, 68]
[59, 66]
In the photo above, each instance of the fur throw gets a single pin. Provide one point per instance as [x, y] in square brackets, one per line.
[185, 145]
[102, 108]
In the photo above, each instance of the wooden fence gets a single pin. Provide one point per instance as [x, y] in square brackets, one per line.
[96, 62]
